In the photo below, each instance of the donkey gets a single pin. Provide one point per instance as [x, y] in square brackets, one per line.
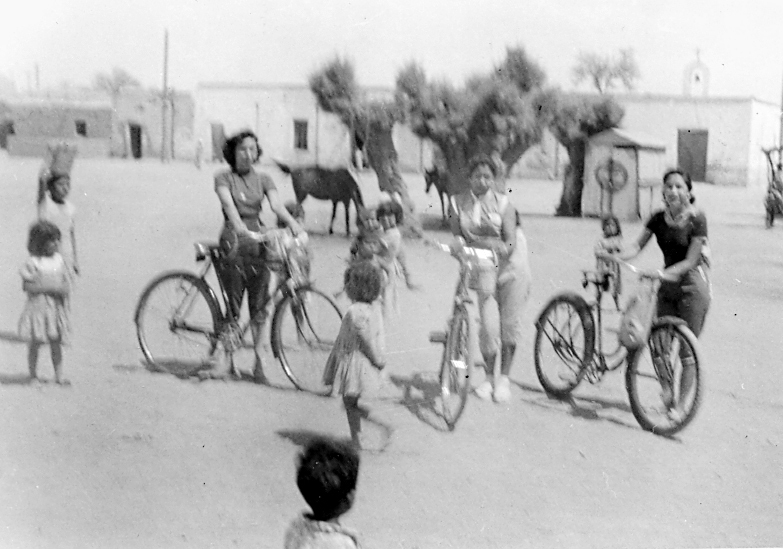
[440, 179]
[337, 185]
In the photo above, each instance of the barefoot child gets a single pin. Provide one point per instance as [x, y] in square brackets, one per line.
[612, 242]
[358, 354]
[46, 281]
[392, 256]
[326, 477]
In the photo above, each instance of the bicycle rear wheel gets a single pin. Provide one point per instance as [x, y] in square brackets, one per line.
[176, 323]
[664, 379]
[456, 367]
[565, 336]
[305, 327]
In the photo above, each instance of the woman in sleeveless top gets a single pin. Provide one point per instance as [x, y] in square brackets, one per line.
[486, 219]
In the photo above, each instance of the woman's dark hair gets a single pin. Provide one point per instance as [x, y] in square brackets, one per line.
[391, 207]
[41, 233]
[231, 144]
[363, 281]
[611, 220]
[685, 176]
[326, 477]
[482, 159]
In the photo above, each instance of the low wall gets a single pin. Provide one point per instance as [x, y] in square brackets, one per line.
[36, 146]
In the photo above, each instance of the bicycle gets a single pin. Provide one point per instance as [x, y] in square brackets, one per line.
[456, 366]
[663, 378]
[180, 321]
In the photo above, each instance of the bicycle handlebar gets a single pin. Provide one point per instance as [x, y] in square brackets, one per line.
[643, 273]
[462, 252]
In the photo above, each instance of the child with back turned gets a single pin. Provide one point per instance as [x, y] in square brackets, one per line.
[355, 365]
[326, 477]
[612, 242]
[46, 281]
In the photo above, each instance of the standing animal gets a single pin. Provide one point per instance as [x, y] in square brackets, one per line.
[440, 179]
[337, 185]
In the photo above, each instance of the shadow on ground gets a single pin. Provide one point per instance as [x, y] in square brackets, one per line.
[420, 397]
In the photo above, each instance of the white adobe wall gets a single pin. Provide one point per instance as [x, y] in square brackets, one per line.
[728, 122]
[764, 133]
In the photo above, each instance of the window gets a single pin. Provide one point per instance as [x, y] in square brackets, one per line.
[300, 134]
[81, 128]
[9, 125]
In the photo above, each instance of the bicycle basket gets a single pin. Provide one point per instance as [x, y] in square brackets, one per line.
[637, 318]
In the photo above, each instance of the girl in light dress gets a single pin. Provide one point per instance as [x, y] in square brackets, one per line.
[45, 279]
[357, 361]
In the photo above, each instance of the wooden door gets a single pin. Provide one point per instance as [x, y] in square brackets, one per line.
[692, 153]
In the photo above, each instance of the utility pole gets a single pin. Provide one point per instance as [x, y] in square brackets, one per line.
[164, 97]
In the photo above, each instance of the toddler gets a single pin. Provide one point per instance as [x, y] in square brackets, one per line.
[392, 257]
[46, 281]
[358, 353]
[326, 477]
[612, 242]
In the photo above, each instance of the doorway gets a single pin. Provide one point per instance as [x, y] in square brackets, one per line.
[692, 153]
[135, 140]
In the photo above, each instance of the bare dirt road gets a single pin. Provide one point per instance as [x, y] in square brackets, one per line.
[127, 458]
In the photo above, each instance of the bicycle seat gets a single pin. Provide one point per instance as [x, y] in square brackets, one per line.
[205, 249]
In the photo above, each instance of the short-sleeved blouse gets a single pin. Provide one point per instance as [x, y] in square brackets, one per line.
[248, 192]
[674, 240]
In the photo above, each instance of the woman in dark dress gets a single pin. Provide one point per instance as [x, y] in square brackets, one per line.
[241, 191]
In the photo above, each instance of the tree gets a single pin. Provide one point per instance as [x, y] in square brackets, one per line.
[575, 120]
[603, 71]
[501, 114]
[115, 82]
[370, 122]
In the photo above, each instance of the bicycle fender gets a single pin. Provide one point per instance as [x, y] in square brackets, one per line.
[577, 300]
[165, 274]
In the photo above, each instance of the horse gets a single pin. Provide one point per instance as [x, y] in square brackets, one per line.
[440, 179]
[337, 185]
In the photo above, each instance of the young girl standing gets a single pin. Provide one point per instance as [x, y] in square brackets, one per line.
[46, 281]
[54, 206]
[392, 257]
[358, 351]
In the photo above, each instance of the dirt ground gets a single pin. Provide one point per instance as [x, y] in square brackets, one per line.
[128, 458]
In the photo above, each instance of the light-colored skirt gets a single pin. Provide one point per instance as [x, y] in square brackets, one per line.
[45, 319]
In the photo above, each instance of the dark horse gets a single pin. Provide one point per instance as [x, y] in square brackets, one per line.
[337, 185]
[440, 179]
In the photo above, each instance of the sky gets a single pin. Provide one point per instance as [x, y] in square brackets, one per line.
[283, 41]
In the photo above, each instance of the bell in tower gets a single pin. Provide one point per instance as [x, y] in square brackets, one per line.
[696, 79]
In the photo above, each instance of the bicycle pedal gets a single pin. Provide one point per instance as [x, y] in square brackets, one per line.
[438, 337]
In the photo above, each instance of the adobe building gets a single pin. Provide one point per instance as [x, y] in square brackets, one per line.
[290, 125]
[715, 139]
[29, 124]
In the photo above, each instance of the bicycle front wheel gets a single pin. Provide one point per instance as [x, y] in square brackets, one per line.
[664, 379]
[176, 323]
[565, 338]
[305, 327]
[456, 367]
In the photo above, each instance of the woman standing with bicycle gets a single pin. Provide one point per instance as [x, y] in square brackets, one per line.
[486, 219]
[244, 268]
[681, 232]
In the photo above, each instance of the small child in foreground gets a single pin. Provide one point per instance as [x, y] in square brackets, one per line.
[327, 474]
[47, 282]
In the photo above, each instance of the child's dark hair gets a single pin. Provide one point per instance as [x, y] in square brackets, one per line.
[326, 477]
[54, 178]
[41, 233]
[295, 209]
[391, 207]
[609, 221]
[362, 281]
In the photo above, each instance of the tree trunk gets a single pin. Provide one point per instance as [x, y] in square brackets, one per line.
[573, 180]
[384, 161]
